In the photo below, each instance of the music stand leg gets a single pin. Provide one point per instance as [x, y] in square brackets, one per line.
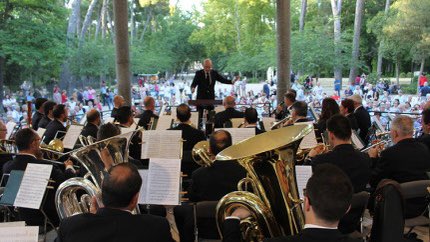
[196, 229]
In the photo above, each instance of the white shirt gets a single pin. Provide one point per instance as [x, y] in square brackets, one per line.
[314, 226]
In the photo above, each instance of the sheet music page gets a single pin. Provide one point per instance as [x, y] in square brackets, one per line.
[356, 140]
[236, 122]
[173, 111]
[83, 120]
[163, 109]
[9, 127]
[163, 181]
[136, 120]
[268, 122]
[239, 134]
[165, 144]
[164, 122]
[219, 109]
[144, 187]
[195, 118]
[72, 136]
[303, 173]
[133, 126]
[19, 234]
[41, 132]
[310, 140]
[127, 130]
[109, 120]
[13, 224]
[33, 186]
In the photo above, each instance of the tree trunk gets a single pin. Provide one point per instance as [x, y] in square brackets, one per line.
[398, 71]
[356, 41]
[283, 45]
[73, 19]
[423, 62]
[145, 26]
[98, 26]
[122, 49]
[303, 15]
[2, 62]
[381, 45]
[336, 9]
[112, 29]
[103, 18]
[237, 25]
[87, 21]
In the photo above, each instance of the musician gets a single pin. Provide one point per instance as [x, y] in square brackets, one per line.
[362, 117]
[93, 123]
[118, 101]
[407, 160]
[230, 112]
[60, 114]
[28, 144]
[205, 81]
[354, 163]
[145, 117]
[347, 109]
[125, 118]
[425, 122]
[251, 119]
[47, 107]
[283, 111]
[114, 221]
[328, 196]
[38, 115]
[329, 108]
[190, 135]
[299, 112]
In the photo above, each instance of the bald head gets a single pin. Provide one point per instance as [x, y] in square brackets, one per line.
[229, 102]
[219, 140]
[183, 113]
[149, 103]
[118, 101]
[93, 116]
[207, 65]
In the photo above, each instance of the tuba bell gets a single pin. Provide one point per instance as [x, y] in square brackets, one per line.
[274, 203]
[201, 154]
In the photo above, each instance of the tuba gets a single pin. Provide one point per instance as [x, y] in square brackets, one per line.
[274, 203]
[201, 154]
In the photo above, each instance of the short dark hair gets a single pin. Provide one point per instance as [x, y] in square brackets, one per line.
[301, 108]
[426, 116]
[59, 109]
[107, 130]
[39, 102]
[329, 108]
[23, 138]
[48, 106]
[123, 114]
[290, 96]
[329, 191]
[92, 115]
[251, 115]
[183, 113]
[220, 140]
[120, 185]
[339, 125]
[348, 104]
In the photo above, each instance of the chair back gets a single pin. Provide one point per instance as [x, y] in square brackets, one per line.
[414, 189]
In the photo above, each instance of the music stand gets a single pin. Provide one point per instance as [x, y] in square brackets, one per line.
[204, 104]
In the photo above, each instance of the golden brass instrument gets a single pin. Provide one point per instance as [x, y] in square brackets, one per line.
[54, 150]
[201, 154]
[89, 140]
[7, 146]
[280, 123]
[269, 160]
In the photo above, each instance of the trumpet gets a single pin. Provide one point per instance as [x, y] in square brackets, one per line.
[382, 142]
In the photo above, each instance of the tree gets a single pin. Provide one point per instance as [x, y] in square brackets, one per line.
[356, 42]
[336, 10]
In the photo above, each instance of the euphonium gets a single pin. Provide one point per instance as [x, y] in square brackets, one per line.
[269, 160]
[201, 154]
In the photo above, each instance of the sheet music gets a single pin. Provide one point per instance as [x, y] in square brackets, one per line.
[72, 136]
[310, 140]
[268, 122]
[195, 118]
[173, 111]
[19, 234]
[133, 126]
[144, 187]
[127, 130]
[165, 144]
[163, 109]
[236, 122]
[9, 127]
[33, 186]
[219, 109]
[110, 120]
[164, 122]
[136, 120]
[239, 134]
[356, 141]
[303, 173]
[13, 224]
[83, 120]
[41, 132]
[163, 181]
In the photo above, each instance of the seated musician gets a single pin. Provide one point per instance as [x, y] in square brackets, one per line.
[329, 107]
[230, 112]
[28, 144]
[328, 197]
[125, 118]
[283, 111]
[251, 119]
[425, 122]
[407, 160]
[299, 113]
[60, 114]
[191, 137]
[118, 101]
[38, 115]
[347, 109]
[47, 107]
[114, 221]
[354, 163]
[145, 117]
[93, 123]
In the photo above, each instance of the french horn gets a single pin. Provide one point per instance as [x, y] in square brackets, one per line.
[274, 203]
[201, 154]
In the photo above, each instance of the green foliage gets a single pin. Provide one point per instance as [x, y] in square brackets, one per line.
[93, 59]
[412, 87]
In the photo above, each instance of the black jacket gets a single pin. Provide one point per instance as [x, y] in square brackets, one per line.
[114, 225]
[205, 89]
[226, 115]
[145, 118]
[90, 130]
[425, 139]
[191, 136]
[37, 116]
[231, 233]
[44, 121]
[33, 216]
[363, 122]
[352, 121]
[51, 130]
[406, 161]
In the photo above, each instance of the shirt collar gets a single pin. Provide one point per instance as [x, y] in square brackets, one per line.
[27, 154]
[314, 226]
[358, 108]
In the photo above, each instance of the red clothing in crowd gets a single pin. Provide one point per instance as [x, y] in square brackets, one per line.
[63, 98]
[422, 80]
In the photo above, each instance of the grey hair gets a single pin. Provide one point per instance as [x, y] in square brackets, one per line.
[403, 124]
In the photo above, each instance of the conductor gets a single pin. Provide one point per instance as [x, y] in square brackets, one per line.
[205, 80]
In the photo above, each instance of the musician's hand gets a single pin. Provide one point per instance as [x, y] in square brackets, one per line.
[68, 163]
[193, 89]
[241, 213]
[94, 205]
[317, 150]
[373, 152]
[279, 108]
[106, 158]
